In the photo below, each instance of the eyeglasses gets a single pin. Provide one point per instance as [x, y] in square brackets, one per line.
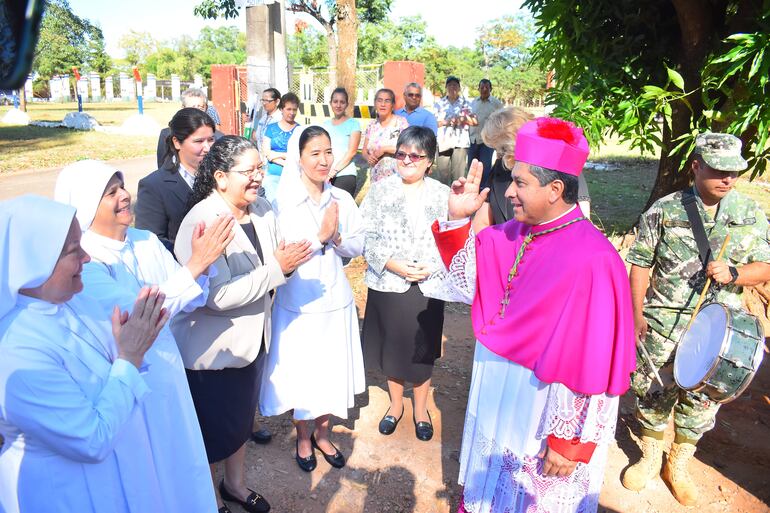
[414, 95]
[413, 157]
[383, 100]
[268, 101]
[246, 173]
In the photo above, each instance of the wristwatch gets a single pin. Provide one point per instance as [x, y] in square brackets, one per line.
[733, 273]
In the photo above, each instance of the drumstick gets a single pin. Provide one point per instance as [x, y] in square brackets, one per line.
[708, 283]
[649, 362]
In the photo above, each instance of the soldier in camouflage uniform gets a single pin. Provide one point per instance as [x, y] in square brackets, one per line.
[664, 302]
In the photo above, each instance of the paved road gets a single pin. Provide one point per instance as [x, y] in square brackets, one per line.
[42, 182]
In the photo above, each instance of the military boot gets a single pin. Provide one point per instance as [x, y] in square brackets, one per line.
[677, 477]
[638, 474]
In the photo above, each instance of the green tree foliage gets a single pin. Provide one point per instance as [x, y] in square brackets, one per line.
[99, 60]
[224, 45]
[67, 40]
[307, 48]
[407, 39]
[187, 57]
[138, 46]
[622, 65]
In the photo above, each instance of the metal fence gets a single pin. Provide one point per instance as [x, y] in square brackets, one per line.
[314, 85]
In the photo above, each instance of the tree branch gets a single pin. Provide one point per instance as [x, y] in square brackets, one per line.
[313, 10]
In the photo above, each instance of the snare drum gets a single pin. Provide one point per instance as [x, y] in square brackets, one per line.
[720, 353]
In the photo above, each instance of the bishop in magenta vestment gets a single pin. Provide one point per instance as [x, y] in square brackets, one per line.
[551, 312]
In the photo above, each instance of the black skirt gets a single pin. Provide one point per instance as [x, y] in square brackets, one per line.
[402, 333]
[225, 401]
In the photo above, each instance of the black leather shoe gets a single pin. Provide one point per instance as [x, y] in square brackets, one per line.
[389, 422]
[254, 503]
[307, 464]
[261, 436]
[224, 509]
[336, 460]
[423, 430]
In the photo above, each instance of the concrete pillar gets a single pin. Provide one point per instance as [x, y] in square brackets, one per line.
[96, 86]
[176, 88]
[82, 88]
[66, 92]
[266, 61]
[126, 86]
[28, 89]
[54, 88]
[150, 90]
[109, 92]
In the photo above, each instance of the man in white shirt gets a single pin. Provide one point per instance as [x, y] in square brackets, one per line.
[454, 116]
[482, 107]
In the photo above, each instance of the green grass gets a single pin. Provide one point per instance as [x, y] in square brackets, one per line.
[107, 114]
[758, 190]
[31, 147]
[618, 194]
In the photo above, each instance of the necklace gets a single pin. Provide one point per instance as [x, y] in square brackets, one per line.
[515, 268]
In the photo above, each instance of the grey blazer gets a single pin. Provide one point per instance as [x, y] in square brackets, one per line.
[391, 234]
[228, 331]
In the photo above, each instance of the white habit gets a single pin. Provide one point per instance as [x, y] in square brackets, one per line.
[315, 364]
[115, 275]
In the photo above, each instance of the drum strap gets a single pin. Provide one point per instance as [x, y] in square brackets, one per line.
[698, 230]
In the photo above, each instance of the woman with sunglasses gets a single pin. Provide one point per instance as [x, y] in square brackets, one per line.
[403, 323]
[223, 343]
[381, 135]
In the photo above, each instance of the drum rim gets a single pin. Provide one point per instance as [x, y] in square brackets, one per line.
[702, 384]
[761, 350]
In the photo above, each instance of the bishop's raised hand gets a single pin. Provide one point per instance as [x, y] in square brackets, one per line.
[465, 198]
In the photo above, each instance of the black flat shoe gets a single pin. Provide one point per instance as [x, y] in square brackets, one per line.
[307, 464]
[224, 509]
[389, 422]
[261, 436]
[336, 460]
[254, 503]
[423, 430]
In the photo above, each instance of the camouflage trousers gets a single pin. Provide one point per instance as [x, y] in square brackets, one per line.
[694, 413]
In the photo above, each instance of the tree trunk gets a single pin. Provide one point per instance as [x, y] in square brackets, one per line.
[696, 25]
[670, 178]
[23, 99]
[347, 30]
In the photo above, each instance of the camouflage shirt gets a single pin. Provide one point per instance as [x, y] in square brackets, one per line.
[666, 243]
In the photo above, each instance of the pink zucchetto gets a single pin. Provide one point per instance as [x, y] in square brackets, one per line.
[552, 143]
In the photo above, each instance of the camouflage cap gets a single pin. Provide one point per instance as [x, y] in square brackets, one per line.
[720, 151]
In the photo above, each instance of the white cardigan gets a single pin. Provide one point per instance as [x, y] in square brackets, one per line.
[391, 234]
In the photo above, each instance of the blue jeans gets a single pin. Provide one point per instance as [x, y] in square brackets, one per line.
[483, 154]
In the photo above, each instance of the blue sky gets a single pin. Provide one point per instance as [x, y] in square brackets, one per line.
[449, 21]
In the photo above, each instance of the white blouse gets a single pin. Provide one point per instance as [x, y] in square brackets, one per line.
[320, 284]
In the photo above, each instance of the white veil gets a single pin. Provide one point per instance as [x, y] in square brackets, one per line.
[290, 188]
[32, 234]
[82, 185]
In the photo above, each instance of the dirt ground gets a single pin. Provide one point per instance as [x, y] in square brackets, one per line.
[400, 474]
